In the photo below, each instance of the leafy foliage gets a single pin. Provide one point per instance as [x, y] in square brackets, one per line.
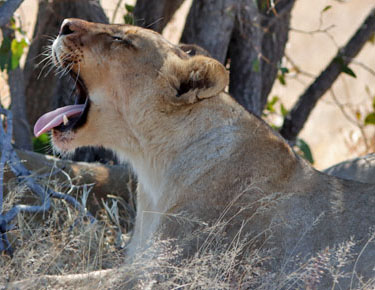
[372, 38]
[344, 67]
[129, 16]
[304, 150]
[270, 107]
[370, 117]
[17, 47]
[256, 65]
[41, 144]
[12, 49]
[5, 54]
[326, 8]
[281, 75]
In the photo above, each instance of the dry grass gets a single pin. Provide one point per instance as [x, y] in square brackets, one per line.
[59, 242]
[63, 242]
[236, 266]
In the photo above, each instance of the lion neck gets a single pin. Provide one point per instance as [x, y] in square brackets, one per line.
[168, 143]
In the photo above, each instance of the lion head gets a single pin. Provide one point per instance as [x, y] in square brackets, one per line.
[127, 79]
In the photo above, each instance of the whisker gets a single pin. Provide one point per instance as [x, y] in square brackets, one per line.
[48, 63]
[156, 21]
[75, 81]
[47, 57]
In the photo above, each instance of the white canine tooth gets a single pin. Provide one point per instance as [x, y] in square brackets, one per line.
[65, 119]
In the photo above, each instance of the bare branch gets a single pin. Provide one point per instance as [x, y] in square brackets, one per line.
[7, 10]
[297, 117]
[119, 2]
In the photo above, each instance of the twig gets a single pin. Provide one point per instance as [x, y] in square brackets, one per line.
[116, 10]
[7, 10]
[364, 66]
[270, 19]
[350, 119]
[9, 156]
[297, 68]
[324, 31]
[297, 117]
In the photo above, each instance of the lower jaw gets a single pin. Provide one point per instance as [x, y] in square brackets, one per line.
[63, 141]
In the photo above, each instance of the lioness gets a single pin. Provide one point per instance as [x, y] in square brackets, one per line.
[198, 154]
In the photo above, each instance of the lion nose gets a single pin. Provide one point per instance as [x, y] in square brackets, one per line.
[65, 29]
[71, 25]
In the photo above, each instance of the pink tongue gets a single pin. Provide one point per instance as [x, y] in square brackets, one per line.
[55, 118]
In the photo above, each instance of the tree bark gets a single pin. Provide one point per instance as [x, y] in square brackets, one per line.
[297, 117]
[275, 37]
[155, 14]
[21, 132]
[7, 10]
[245, 51]
[209, 24]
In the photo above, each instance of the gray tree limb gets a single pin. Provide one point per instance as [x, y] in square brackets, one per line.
[298, 116]
[21, 132]
[7, 10]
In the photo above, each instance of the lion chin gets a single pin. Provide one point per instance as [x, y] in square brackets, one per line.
[207, 169]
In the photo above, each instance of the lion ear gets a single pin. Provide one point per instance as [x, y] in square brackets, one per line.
[197, 78]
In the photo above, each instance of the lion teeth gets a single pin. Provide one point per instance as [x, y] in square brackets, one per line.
[65, 120]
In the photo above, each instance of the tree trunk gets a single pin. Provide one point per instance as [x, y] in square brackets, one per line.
[155, 14]
[21, 132]
[209, 24]
[7, 9]
[275, 37]
[245, 50]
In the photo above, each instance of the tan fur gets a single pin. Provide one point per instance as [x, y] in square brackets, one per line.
[199, 152]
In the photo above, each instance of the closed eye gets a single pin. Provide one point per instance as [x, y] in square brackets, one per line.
[117, 38]
[124, 40]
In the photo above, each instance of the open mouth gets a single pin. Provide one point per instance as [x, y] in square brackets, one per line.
[69, 117]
